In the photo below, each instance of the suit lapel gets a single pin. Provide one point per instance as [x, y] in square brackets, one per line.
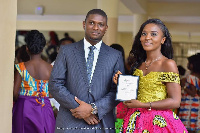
[103, 54]
[80, 58]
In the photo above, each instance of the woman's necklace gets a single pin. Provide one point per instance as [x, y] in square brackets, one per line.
[147, 66]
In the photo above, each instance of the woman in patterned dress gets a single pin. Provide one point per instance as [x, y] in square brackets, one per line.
[189, 112]
[32, 111]
[159, 89]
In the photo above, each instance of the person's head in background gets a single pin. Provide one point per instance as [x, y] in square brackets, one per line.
[95, 26]
[63, 41]
[119, 48]
[22, 55]
[66, 35]
[16, 54]
[194, 63]
[53, 38]
[181, 70]
[66, 40]
[35, 42]
[139, 54]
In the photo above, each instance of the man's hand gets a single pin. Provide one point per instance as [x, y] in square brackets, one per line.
[92, 120]
[82, 111]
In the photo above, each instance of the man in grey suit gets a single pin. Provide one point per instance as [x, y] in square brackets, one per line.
[81, 80]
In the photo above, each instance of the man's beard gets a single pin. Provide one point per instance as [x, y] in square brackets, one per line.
[95, 39]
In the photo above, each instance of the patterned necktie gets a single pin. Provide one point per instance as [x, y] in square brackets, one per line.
[89, 63]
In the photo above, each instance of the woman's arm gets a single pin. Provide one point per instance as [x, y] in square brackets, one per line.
[17, 84]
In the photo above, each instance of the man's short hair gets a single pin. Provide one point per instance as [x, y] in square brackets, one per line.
[96, 11]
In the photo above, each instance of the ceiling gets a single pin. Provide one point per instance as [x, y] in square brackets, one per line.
[173, 0]
[179, 11]
[180, 16]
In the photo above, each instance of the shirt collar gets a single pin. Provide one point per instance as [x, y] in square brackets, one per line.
[87, 44]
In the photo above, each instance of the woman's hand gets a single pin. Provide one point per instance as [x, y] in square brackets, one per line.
[115, 77]
[133, 104]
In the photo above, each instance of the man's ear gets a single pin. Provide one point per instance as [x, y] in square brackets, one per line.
[84, 25]
[106, 28]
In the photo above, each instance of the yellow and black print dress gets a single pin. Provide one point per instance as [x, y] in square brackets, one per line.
[142, 120]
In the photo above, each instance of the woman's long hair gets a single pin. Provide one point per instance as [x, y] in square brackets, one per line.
[138, 54]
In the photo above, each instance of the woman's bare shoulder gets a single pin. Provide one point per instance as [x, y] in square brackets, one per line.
[169, 65]
[46, 65]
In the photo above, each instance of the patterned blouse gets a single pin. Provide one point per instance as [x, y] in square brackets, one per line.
[151, 87]
[32, 87]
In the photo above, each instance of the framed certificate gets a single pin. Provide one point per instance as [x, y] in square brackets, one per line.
[127, 87]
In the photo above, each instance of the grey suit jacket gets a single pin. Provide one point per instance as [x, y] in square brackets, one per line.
[69, 79]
